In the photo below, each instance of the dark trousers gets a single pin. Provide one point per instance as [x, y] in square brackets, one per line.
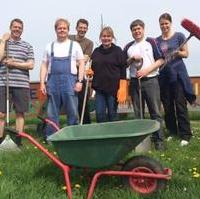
[151, 94]
[175, 107]
[86, 118]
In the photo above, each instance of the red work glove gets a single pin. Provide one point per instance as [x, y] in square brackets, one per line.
[89, 73]
[122, 92]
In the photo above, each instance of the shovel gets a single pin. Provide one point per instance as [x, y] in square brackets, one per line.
[145, 145]
[138, 64]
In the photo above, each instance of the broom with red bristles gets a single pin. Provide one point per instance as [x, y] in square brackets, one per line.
[193, 29]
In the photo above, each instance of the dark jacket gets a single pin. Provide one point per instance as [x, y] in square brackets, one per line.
[109, 67]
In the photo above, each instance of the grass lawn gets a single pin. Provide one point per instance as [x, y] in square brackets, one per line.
[31, 175]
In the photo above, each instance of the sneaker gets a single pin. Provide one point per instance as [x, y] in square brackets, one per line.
[18, 141]
[184, 143]
[195, 104]
[169, 138]
[1, 139]
[159, 146]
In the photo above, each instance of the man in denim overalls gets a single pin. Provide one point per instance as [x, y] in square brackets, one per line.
[59, 66]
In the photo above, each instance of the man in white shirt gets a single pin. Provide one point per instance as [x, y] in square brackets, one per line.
[59, 67]
[145, 50]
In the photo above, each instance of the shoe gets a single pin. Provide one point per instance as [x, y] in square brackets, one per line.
[159, 146]
[48, 142]
[195, 104]
[1, 139]
[184, 143]
[18, 141]
[169, 138]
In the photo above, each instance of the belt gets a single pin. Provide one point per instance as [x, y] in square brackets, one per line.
[144, 78]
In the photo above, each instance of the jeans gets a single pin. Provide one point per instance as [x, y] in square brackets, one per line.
[60, 89]
[105, 107]
[55, 102]
[151, 94]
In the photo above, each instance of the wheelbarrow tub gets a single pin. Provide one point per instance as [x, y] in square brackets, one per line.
[101, 144]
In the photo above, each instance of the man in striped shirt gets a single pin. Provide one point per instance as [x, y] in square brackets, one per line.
[17, 56]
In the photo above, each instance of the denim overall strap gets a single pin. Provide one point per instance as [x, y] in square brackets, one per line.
[61, 65]
[60, 77]
[60, 89]
[70, 49]
[52, 52]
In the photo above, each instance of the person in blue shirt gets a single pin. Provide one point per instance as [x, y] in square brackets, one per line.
[175, 84]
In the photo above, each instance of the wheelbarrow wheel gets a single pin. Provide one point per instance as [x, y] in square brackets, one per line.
[144, 185]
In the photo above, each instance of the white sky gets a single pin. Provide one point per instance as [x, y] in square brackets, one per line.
[39, 17]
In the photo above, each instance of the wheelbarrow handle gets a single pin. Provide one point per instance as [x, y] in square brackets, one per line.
[48, 121]
[41, 118]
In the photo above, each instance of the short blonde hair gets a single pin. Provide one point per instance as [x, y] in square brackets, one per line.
[60, 20]
[108, 30]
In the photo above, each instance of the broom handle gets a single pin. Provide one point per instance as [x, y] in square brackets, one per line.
[85, 96]
[7, 97]
[7, 89]
[166, 62]
[187, 39]
[84, 100]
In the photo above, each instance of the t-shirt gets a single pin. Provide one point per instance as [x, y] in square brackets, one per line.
[175, 70]
[61, 49]
[145, 50]
[21, 51]
[169, 46]
[85, 43]
[175, 67]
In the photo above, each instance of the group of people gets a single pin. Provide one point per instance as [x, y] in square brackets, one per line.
[156, 69]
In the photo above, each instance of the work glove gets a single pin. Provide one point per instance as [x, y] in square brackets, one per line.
[122, 92]
[89, 73]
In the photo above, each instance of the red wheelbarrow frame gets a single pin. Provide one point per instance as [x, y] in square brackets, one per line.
[166, 175]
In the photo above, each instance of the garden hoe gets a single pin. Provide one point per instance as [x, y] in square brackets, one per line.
[8, 144]
[145, 145]
[138, 64]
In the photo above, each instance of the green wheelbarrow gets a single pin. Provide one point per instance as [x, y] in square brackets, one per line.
[103, 145]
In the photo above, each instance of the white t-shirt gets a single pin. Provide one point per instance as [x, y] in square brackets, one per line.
[61, 49]
[144, 50]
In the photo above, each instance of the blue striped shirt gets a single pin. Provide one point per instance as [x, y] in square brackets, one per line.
[21, 51]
